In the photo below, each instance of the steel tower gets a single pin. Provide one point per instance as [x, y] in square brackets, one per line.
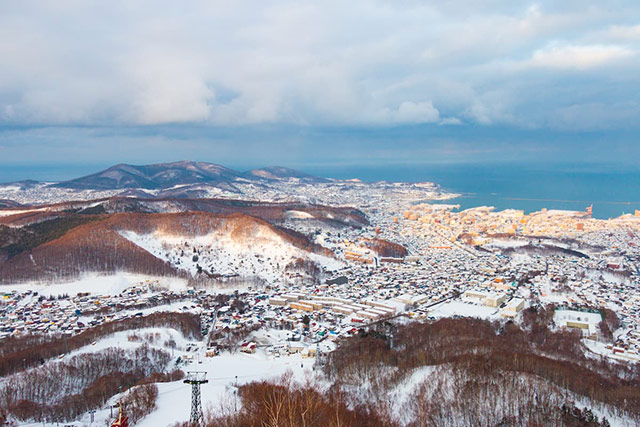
[196, 378]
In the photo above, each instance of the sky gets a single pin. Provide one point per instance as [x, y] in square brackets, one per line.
[87, 84]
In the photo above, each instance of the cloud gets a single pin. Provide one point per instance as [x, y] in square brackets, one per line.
[618, 33]
[450, 121]
[410, 112]
[595, 115]
[492, 107]
[330, 63]
[579, 57]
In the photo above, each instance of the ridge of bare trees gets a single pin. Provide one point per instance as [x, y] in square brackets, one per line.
[19, 353]
[62, 390]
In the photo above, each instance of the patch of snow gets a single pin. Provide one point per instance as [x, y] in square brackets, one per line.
[174, 399]
[9, 212]
[299, 215]
[96, 284]
[463, 309]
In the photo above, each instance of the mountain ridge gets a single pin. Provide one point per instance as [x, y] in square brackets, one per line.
[163, 176]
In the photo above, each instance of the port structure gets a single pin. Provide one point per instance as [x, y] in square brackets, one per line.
[196, 378]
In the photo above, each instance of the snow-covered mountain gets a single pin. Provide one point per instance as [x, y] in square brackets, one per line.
[172, 175]
[184, 179]
[200, 180]
[162, 175]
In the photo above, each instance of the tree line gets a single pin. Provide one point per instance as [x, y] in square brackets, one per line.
[62, 390]
[484, 353]
[19, 353]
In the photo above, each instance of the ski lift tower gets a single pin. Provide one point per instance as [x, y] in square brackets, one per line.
[196, 378]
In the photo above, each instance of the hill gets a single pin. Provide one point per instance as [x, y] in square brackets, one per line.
[162, 175]
[275, 213]
[279, 172]
[190, 244]
[173, 176]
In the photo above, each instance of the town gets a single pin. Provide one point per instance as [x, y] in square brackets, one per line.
[476, 262]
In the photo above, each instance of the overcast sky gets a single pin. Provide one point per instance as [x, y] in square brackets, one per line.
[316, 82]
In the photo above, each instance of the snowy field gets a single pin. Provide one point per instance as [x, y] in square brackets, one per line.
[464, 309]
[96, 284]
[264, 255]
[174, 399]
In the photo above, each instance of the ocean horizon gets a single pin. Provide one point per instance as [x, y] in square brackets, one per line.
[611, 189]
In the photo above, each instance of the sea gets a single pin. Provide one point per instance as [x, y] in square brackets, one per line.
[613, 190]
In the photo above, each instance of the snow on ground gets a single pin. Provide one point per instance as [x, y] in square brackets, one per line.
[174, 399]
[547, 295]
[615, 419]
[596, 348]
[96, 284]
[154, 337]
[563, 317]
[223, 373]
[175, 307]
[299, 215]
[607, 276]
[464, 309]
[9, 212]
[265, 256]
[405, 389]
[518, 259]
[599, 349]
[507, 243]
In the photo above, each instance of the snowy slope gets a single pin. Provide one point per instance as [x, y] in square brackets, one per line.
[174, 400]
[95, 284]
[262, 254]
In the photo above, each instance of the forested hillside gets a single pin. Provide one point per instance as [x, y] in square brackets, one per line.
[141, 243]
